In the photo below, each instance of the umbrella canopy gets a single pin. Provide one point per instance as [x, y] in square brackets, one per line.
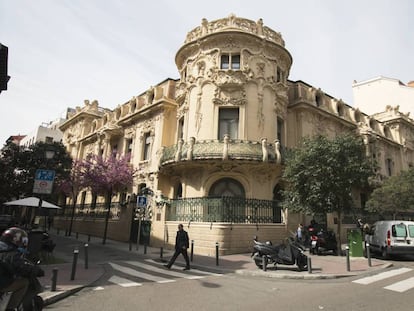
[33, 202]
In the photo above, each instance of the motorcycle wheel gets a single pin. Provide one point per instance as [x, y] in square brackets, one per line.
[258, 260]
[302, 264]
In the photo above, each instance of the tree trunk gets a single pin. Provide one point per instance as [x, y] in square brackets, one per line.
[108, 206]
[74, 199]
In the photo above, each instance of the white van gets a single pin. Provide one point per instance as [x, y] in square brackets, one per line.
[392, 237]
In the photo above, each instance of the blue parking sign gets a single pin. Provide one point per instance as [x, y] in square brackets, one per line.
[43, 181]
[141, 201]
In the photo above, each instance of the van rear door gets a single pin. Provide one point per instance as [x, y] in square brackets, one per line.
[399, 235]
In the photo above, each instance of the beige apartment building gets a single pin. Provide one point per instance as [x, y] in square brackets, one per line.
[211, 144]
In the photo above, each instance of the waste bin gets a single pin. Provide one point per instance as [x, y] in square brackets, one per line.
[355, 243]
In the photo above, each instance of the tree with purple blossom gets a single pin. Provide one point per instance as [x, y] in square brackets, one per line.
[72, 185]
[107, 177]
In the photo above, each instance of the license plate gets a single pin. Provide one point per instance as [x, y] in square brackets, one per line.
[313, 243]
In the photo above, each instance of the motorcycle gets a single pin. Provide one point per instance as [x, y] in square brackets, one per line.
[289, 253]
[322, 241]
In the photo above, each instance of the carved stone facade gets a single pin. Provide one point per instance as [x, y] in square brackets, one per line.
[229, 116]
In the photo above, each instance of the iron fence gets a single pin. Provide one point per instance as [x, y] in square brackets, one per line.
[224, 209]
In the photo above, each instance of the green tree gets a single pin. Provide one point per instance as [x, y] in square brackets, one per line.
[321, 174]
[394, 195]
[18, 167]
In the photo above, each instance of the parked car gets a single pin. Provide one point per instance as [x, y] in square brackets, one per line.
[6, 221]
[392, 237]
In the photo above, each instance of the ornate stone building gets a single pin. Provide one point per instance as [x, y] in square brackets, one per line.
[211, 144]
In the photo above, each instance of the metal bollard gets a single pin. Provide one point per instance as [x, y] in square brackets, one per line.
[75, 260]
[57, 231]
[77, 235]
[145, 249]
[89, 237]
[264, 263]
[368, 255]
[217, 253]
[348, 263]
[161, 252]
[309, 265]
[86, 256]
[54, 279]
[192, 250]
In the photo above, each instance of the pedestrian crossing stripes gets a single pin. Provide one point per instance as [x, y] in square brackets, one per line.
[123, 282]
[399, 287]
[164, 271]
[140, 274]
[150, 270]
[193, 270]
[382, 276]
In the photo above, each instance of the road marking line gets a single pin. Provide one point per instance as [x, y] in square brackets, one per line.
[163, 271]
[192, 270]
[381, 276]
[123, 282]
[401, 286]
[141, 275]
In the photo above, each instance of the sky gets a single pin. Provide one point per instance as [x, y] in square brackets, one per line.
[62, 52]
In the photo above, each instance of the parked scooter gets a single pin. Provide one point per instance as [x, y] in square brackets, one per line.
[289, 253]
[322, 241]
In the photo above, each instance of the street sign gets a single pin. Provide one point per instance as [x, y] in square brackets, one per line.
[43, 182]
[141, 201]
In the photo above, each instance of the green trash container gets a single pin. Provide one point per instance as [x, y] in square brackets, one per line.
[355, 243]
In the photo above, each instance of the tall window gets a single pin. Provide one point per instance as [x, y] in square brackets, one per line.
[228, 122]
[181, 128]
[280, 129]
[230, 61]
[147, 147]
[129, 144]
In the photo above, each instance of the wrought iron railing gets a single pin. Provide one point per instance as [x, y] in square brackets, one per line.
[224, 209]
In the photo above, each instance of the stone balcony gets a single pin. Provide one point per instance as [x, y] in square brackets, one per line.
[226, 149]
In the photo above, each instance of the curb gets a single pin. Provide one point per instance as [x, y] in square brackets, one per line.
[50, 297]
[307, 276]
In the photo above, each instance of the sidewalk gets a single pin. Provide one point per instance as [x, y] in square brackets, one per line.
[323, 267]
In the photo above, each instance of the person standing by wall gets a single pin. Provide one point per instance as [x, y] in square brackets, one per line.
[182, 243]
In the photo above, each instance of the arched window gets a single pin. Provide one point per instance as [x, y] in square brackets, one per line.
[227, 187]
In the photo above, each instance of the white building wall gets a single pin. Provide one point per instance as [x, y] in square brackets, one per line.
[42, 134]
[372, 96]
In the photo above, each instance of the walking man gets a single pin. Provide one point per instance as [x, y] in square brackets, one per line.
[181, 245]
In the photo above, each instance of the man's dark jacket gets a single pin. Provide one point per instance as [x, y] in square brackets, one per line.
[181, 240]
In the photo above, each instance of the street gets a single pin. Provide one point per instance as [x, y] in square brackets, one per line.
[146, 285]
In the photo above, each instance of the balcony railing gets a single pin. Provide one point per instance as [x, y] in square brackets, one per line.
[224, 209]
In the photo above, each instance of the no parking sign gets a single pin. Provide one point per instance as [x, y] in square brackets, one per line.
[43, 182]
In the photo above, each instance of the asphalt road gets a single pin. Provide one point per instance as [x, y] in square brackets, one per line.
[126, 286]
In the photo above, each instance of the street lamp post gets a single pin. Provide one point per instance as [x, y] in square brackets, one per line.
[44, 181]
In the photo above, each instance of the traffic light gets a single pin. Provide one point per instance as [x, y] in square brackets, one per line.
[4, 78]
